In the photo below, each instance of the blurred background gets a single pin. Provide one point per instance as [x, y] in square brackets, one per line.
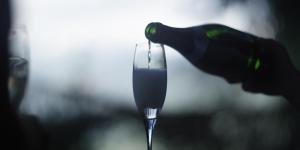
[80, 96]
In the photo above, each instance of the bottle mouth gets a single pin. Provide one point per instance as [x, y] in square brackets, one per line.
[151, 29]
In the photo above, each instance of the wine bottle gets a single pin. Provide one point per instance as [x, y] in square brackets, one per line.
[213, 48]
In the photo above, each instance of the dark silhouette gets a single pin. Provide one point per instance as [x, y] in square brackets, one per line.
[261, 65]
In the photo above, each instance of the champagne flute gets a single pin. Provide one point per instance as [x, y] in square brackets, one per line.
[149, 83]
[18, 64]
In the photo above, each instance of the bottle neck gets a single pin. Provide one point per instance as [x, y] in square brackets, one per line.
[180, 39]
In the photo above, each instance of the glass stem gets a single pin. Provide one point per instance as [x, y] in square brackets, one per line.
[149, 125]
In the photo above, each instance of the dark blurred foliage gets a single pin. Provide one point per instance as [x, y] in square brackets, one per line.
[224, 128]
[228, 129]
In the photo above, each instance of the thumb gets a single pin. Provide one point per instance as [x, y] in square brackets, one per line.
[251, 85]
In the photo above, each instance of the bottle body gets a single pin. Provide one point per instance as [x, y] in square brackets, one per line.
[213, 48]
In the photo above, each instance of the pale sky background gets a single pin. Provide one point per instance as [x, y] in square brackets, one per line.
[88, 46]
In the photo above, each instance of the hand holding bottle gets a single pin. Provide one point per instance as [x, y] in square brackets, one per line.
[281, 78]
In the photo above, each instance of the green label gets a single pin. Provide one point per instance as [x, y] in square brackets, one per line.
[214, 33]
[257, 64]
[254, 64]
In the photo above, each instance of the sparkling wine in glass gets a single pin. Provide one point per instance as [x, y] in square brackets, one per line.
[149, 83]
[18, 64]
